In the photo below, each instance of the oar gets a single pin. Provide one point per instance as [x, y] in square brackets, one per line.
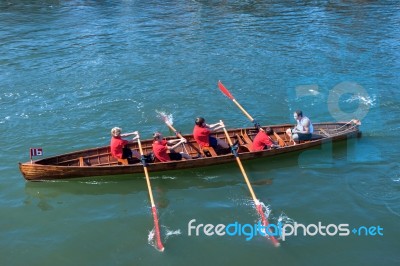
[179, 135]
[225, 91]
[129, 134]
[256, 201]
[160, 246]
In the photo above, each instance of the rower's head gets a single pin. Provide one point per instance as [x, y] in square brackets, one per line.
[116, 131]
[157, 136]
[269, 131]
[200, 121]
[298, 114]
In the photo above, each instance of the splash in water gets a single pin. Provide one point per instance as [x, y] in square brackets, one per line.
[266, 209]
[364, 100]
[150, 238]
[284, 219]
[281, 219]
[165, 234]
[168, 233]
[168, 118]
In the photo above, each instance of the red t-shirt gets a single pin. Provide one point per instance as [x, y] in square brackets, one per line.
[160, 150]
[260, 141]
[116, 145]
[201, 135]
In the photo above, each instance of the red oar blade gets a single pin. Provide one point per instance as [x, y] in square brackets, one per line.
[159, 244]
[266, 223]
[225, 90]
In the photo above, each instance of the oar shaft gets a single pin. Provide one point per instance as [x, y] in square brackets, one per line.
[173, 129]
[153, 206]
[243, 110]
[239, 162]
[230, 96]
[253, 195]
[146, 173]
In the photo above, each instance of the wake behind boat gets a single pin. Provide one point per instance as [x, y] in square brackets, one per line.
[99, 162]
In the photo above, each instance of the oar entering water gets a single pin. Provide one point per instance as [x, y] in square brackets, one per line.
[225, 91]
[256, 201]
[159, 244]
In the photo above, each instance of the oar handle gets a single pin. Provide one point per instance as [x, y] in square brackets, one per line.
[180, 136]
[129, 134]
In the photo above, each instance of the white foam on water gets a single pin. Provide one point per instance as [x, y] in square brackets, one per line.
[266, 209]
[244, 202]
[168, 233]
[150, 238]
[165, 116]
[165, 234]
[283, 218]
[208, 178]
[94, 182]
[168, 177]
[365, 100]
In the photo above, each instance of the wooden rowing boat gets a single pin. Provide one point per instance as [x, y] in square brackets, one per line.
[99, 162]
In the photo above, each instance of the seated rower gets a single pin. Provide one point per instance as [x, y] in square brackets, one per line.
[202, 131]
[160, 148]
[118, 147]
[303, 130]
[263, 140]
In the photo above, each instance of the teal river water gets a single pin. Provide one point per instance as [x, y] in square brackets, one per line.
[71, 70]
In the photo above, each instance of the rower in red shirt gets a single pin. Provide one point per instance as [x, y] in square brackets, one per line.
[202, 131]
[263, 141]
[162, 146]
[118, 145]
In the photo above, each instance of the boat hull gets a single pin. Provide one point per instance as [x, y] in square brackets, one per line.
[54, 168]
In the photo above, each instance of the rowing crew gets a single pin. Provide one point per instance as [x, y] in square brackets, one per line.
[163, 149]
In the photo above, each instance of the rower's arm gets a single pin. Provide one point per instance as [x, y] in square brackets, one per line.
[306, 127]
[172, 141]
[177, 144]
[215, 126]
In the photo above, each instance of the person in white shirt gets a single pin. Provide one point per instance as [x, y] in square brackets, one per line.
[303, 130]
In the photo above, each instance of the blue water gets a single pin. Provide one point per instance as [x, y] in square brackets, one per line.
[72, 70]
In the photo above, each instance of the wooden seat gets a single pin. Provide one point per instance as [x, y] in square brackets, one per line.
[210, 151]
[246, 138]
[123, 161]
[240, 139]
[81, 162]
[248, 143]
